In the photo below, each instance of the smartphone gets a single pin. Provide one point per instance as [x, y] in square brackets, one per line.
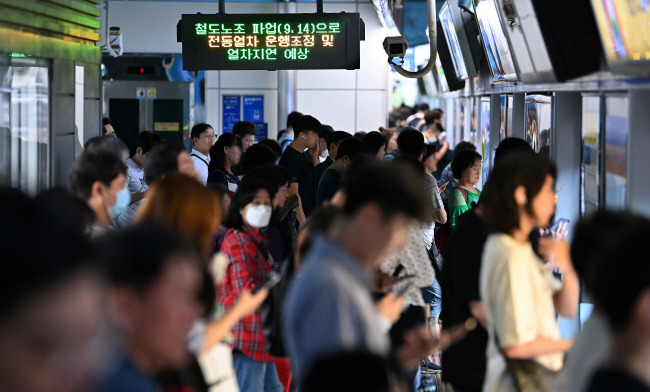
[557, 223]
[274, 278]
[401, 278]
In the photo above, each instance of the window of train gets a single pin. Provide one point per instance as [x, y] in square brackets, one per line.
[615, 151]
[590, 182]
[538, 123]
[24, 123]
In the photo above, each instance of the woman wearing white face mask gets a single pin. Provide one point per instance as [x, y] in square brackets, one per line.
[249, 265]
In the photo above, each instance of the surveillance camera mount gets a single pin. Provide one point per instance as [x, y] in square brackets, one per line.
[433, 47]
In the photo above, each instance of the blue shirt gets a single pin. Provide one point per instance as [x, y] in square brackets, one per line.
[125, 377]
[329, 308]
[285, 137]
[447, 176]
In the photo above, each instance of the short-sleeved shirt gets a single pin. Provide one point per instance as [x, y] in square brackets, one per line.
[414, 260]
[230, 180]
[135, 177]
[427, 227]
[458, 205]
[464, 362]
[518, 299]
[299, 167]
[328, 185]
[201, 163]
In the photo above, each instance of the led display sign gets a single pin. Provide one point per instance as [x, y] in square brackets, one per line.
[271, 41]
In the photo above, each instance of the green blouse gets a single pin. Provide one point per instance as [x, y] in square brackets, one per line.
[458, 205]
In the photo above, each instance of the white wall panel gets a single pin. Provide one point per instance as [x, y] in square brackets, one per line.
[213, 108]
[335, 108]
[249, 79]
[374, 61]
[371, 110]
[211, 79]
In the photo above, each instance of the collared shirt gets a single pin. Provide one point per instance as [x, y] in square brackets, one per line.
[249, 266]
[329, 308]
[201, 163]
[135, 177]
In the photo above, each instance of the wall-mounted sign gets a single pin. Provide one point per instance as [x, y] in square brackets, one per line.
[271, 41]
[254, 108]
[231, 111]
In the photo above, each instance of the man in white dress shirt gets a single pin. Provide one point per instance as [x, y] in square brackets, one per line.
[203, 139]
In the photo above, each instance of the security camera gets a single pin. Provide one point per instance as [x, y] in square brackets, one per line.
[395, 46]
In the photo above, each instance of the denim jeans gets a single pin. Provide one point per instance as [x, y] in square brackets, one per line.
[436, 301]
[254, 376]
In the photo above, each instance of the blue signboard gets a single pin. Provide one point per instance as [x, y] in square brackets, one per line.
[231, 111]
[262, 131]
[254, 109]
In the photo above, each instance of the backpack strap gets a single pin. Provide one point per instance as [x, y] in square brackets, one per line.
[194, 155]
[464, 193]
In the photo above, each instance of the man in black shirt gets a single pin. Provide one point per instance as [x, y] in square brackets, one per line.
[305, 130]
[463, 364]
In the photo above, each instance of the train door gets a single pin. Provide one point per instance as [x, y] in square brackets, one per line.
[163, 107]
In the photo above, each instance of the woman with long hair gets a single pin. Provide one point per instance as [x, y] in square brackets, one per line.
[225, 154]
[520, 293]
[193, 210]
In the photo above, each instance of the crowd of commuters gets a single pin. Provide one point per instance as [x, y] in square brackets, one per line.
[320, 262]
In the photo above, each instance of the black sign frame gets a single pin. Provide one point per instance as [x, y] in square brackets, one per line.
[198, 55]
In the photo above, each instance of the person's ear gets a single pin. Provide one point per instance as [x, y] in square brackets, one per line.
[520, 196]
[96, 189]
[122, 303]
[138, 151]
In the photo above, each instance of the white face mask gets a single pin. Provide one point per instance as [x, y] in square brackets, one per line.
[432, 140]
[258, 216]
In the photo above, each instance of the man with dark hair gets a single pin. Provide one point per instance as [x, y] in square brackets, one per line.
[247, 133]
[135, 165]
[288, 135]
[316, 154]
[329, 305]
[332, 141]
[203, 139]
[410, 142]
[168, 157]
[447, 176]
[329, 182]
[99, 178]
[164, 158]
[107, 127]
[153, 301]
[306, 130]
[51, 297]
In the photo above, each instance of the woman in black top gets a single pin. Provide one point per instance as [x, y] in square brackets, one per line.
[225, 154]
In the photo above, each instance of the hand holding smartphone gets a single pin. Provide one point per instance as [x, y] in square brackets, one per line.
[274, 278]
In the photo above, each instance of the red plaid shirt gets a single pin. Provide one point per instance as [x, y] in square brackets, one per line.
[249, 265]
